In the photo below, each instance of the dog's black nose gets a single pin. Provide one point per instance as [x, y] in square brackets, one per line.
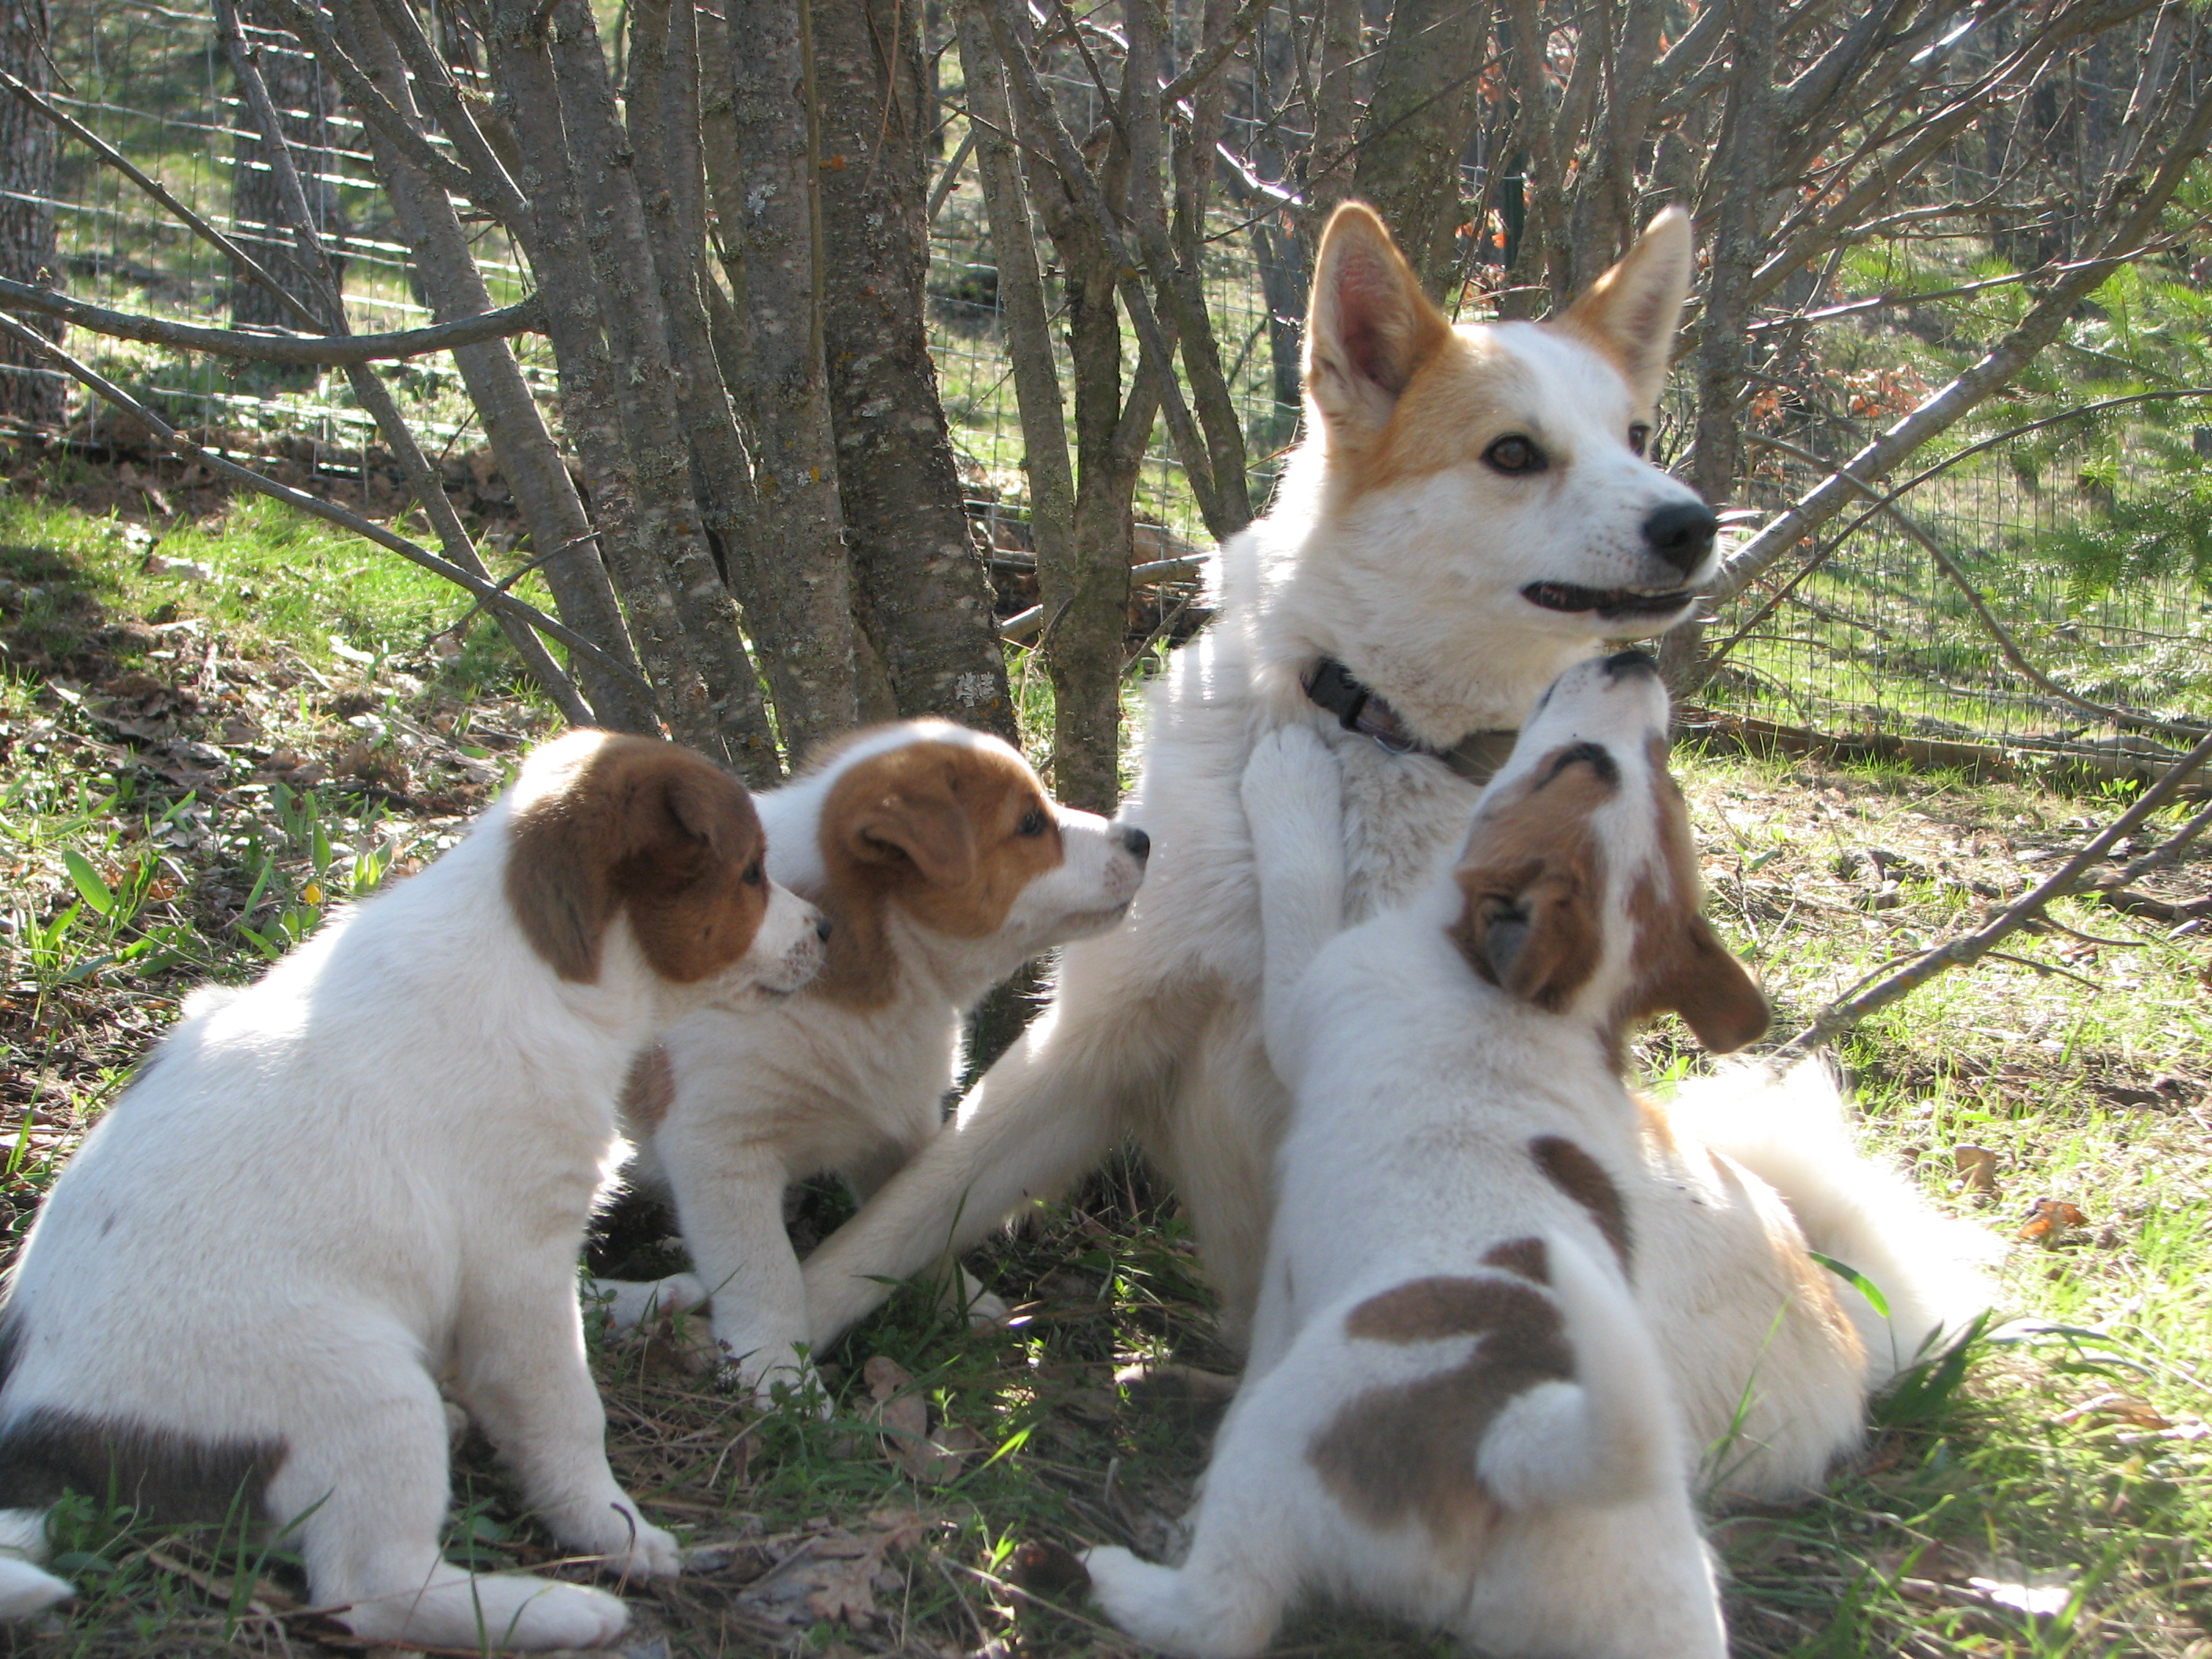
[823, 929]
[1139, 843]
[1630, 662]
[1682, 534]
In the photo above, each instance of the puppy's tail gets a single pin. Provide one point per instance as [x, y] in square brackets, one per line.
[26, 1587]
[1607, 1435]
[1793, 1132]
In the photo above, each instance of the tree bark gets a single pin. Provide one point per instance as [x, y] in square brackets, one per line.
[805, 629]
[1417, 124]
[305, 98]
[922, 585]
[529, 461]
[30, 391]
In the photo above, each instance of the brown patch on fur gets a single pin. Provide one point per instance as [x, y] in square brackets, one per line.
[1406, 1451]
[1525, 1256]
[169, 1478]
[1583, 1179]
[1678, 962]
[649, 1091]
[935, 828]
[603, 822]
[1533, 876]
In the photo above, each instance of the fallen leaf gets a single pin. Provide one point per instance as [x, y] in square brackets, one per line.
[904, 1419]
[2037, 1600]
[834, 1573]
[2117, 1408]
[1978, 1168]
[2049, 1219]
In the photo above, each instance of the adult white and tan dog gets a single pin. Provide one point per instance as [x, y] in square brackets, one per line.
[945, 866]
[1471, 513]
[1484, 1284]
[370, 1172]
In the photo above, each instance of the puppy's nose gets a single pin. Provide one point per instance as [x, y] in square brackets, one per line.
[1682, 533]
[1623, 663]
[1140, 844]
[822, 930]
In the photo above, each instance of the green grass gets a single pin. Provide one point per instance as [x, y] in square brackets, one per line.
[132, 866]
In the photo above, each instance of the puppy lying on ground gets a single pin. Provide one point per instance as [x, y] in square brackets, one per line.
[371, 1171]
[944, 866]
[1464, 1399]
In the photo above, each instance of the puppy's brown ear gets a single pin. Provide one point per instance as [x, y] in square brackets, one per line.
[560, 858]
[1713, 992]
[1630, 312]
[1370, 326]
[931, 831]
[1531, 929]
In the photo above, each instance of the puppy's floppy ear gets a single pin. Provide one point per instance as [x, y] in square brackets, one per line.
[1370, 326]
[932, 831]
[1630, 312]
[1530, 929]
[1713, 992]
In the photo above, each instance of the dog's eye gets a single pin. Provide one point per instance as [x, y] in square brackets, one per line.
[1515, 453]
[1638, 436]
[754, 876]
[1032, 823]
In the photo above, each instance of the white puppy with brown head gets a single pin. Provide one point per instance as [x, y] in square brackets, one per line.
[1455, 1411]
[943, 866]
[369, 1173]
[1473, 509]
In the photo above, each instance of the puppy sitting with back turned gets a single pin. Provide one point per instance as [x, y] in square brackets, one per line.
[369, 1173]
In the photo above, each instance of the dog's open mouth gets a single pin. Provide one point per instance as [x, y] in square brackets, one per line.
[1605, 601]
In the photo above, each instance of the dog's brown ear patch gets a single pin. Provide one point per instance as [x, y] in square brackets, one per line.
[926, 826]
[1713, 992]
[1369, 327]
[600, 821]
[1630, 312]
[1533, 878]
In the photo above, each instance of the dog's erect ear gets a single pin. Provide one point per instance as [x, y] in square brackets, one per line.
[1370, 326]
[929, 830]
[1630, 312]
[1713, 992]
[1530, 929]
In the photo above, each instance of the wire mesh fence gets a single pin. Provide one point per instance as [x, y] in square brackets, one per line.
[1876, 642]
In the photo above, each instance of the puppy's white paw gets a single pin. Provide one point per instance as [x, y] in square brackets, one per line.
[25, 1589]
[1291, 776]
[628, 1545]
[503, 1611]
[630, 1302]
[987, 1312]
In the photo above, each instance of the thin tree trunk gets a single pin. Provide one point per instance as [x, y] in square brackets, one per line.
[1417, 124]
[1336, 111]
[806, 632]
[921, 585]
[303, 97]
[529, 461]
[30, 391]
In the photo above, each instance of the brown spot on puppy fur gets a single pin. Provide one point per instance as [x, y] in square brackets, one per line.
[603, 822]
[1525, 1257]
[1533, 876]
[649, 1090]
[169, 1478]
[949, 834]
[1406, 1451]
[1583, 1179]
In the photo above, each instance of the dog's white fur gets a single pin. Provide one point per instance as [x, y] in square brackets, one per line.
[369, 1173]
[1395, 548]
[1433, 1089]
[821, 1081]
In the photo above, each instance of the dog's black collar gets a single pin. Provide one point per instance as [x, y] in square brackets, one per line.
[1476, 756]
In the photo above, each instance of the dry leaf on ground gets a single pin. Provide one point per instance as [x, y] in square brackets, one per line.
[904, 1417]
[834, 1573]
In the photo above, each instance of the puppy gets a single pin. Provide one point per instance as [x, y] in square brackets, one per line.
[1471, 512]
[1508, 1308]
[945, 866]
[371, 1171]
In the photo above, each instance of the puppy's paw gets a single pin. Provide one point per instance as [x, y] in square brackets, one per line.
[629, 1302]
[627, 1545]
[1291, 780]
[984, 1311]
[497, 1612]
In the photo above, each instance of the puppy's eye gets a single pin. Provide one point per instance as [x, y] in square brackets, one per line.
[1640, 435]
[1032, 823]
[1514, 453]
[754, 876]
